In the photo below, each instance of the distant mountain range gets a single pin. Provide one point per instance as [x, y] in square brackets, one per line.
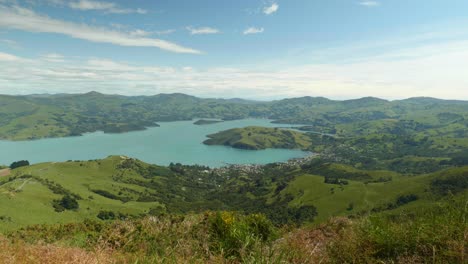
[58, 115]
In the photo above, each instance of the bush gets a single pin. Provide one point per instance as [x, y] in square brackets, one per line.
[235, 235]
[106, 215]
[18, 164]
[405, 199]
[112, 196]
[66, 203]
[450, 183]
[431, 235]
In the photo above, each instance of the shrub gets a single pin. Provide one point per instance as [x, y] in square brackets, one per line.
[66, 203]
[112, 196]
[432, 235]
[18, 164]
[106, 215]
[451, 183]
[235, 235]
[405, 199]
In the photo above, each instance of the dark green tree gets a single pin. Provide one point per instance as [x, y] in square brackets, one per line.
[18, 164]
[66, 203]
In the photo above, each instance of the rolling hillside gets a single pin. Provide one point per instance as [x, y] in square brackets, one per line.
[130, 188]
[34, 116]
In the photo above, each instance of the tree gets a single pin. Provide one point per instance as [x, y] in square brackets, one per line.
[18, 164]
[66, 203]
[106, 215]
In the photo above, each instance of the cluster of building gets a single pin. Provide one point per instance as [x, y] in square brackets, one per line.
[256, 168]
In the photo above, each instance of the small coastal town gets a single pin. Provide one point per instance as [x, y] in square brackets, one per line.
[258, 168]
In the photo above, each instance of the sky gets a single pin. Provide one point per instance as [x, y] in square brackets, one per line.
[253, 49]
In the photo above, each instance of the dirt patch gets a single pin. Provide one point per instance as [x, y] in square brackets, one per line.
[4, 172]
[310, 245]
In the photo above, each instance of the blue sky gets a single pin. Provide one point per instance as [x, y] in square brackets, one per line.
[258, 49]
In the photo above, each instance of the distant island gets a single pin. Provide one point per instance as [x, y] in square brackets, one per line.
[255, 138]
[202, 122]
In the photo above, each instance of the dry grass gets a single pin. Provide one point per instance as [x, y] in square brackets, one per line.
[310, 245]
[432, 235]
[4, 172]
[435, 236]
[20, 252]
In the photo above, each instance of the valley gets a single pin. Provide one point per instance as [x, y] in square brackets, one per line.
[132, 188]
[316, 168]
[232, 132]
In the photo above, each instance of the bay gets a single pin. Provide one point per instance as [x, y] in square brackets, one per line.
[178, 142]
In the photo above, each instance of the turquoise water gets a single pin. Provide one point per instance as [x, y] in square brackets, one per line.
[171, 142]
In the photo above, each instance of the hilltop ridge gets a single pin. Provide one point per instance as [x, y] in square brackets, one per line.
[33, 117]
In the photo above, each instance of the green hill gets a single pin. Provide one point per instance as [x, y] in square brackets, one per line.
[39, 116]
[255, 138]
[158, 214]
[130, 188]
[388, 184]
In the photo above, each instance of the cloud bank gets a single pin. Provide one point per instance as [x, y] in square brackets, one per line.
[436, 70]
[27, 20]
[106, 7]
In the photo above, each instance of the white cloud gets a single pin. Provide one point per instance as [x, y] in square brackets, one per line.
[202, 30]
[106, 7]
[271, 9]
[8, 57]
[165, 32]
[436, 70]
[369, 3]
[141, 11]
[53, 57]
[253, 30]
[432, 64]
[27, 20]
[140, 33]
[56, 2]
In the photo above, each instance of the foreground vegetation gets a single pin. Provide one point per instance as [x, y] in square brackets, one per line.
[288, 193]
[434, 234]
[121, 210]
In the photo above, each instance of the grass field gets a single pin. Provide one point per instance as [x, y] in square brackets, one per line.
[398, 220]
[335, 200]
[28, 201]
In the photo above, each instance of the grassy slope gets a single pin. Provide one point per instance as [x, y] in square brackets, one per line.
[31, 204]
[22, 119]
[412, 235]
[28, 201]
[334, 200]
[260, 138]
